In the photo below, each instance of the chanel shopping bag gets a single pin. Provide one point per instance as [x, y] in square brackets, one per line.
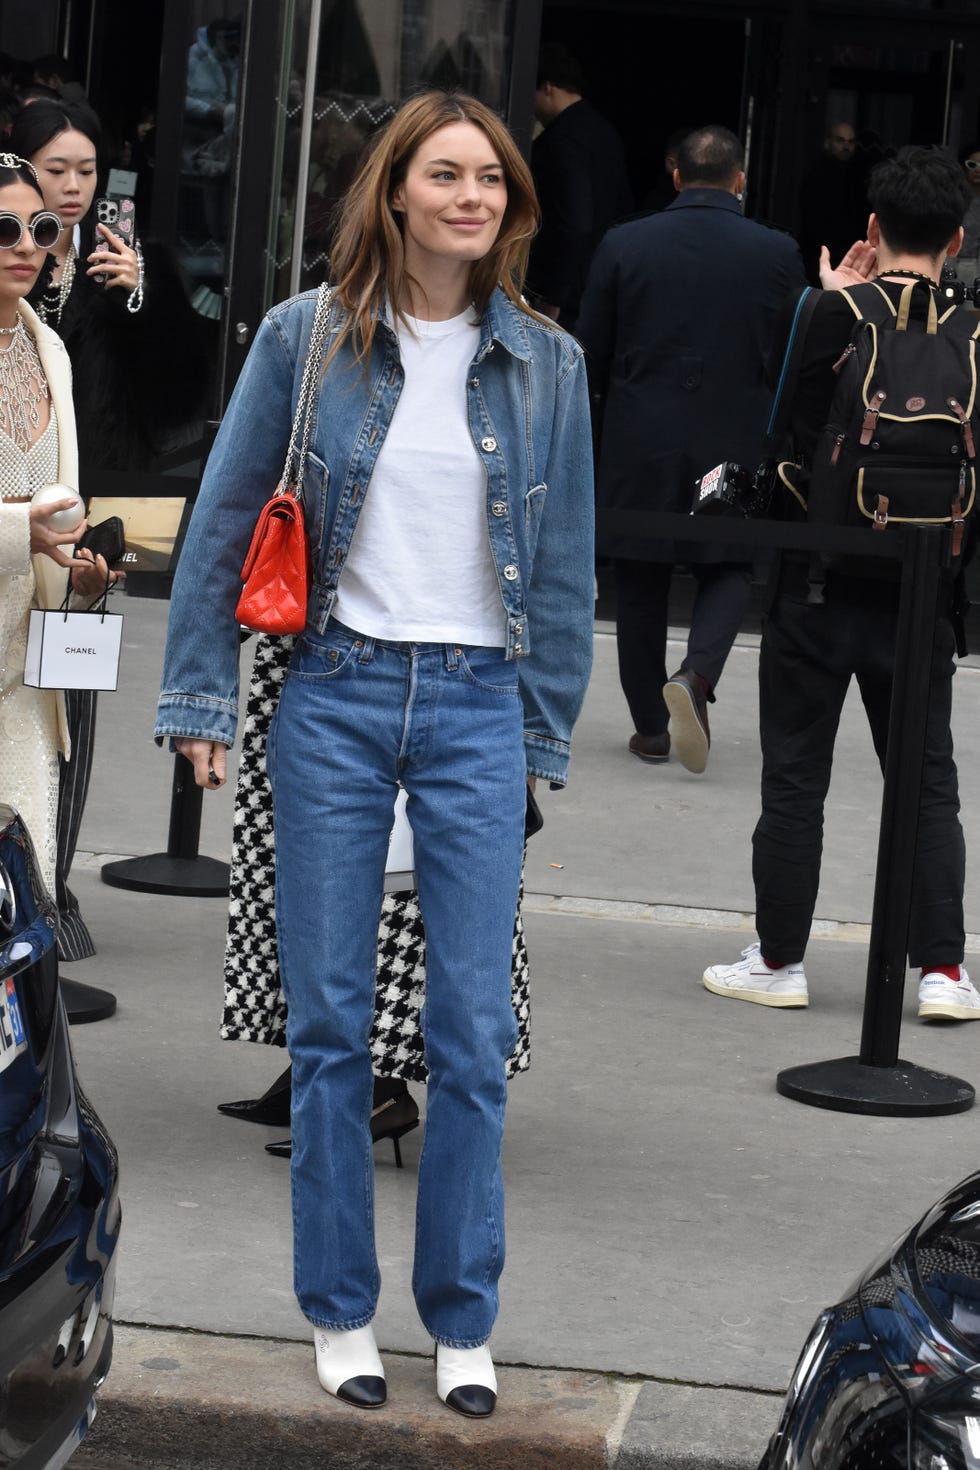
[400, 866]
[68, 649]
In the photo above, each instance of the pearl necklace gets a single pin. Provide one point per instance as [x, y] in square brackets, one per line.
[52, 303]
[23, 388]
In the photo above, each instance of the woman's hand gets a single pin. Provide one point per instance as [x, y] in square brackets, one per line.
[119, 264]
[88, 577]
[208, 757]
[45, 539]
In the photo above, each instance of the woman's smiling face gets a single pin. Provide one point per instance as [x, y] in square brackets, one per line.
[453, 197]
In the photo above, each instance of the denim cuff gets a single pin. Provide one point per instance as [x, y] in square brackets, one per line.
[192, 717]
[547, 759]
[339, 1326]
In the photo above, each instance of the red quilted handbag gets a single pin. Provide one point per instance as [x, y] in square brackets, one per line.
[276, 572]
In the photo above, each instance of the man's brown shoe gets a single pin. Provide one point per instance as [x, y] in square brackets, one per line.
[686, 697]
[654, 749]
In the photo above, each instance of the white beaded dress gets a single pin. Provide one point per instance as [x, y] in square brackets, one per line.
[29, 726]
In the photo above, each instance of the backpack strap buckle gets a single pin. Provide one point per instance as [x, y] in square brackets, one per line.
[880, 520]
[966, 427]
[871, 416]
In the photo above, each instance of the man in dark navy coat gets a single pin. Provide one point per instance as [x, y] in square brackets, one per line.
[677, 319]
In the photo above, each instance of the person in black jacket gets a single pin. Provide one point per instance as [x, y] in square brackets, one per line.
[833, 199]
[579, 170]
[677, 319]
[813, 645]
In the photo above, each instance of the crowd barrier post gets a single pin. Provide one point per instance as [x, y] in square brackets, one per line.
[180, 871]
[877, 1080]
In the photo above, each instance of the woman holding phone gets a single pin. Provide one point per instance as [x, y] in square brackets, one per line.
[139, 379]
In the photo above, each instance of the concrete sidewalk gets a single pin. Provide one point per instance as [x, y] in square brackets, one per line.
[674, 1225]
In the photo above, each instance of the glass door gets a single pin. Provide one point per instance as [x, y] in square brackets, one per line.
[317, 79]
[349, 64]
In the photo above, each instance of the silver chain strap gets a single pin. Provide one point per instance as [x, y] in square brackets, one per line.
[309, 389]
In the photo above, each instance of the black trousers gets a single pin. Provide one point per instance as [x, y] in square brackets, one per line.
[74, 940]
[808, 656]
[642, 599]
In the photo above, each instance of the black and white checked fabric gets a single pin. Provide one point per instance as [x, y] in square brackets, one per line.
[255, 1009]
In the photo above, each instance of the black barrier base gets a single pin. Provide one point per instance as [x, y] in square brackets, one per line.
[197, 877]
[86, 1003]
[848, 1085]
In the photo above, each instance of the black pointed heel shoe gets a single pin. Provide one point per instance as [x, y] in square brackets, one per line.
[395, 1113]
[272, 1108]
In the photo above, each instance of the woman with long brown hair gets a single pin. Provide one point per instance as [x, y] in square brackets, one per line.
[448, 644]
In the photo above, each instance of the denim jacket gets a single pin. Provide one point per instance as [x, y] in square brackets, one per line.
[528, 410]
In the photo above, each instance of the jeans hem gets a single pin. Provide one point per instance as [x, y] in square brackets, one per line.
[339, 1326]
[457, 1342]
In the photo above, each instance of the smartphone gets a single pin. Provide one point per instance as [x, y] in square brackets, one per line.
[106, 539]
[118, 212]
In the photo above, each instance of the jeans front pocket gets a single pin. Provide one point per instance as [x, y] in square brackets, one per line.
[489, 670]
[320, 656]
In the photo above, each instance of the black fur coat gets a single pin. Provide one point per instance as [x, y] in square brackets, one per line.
[140, 379]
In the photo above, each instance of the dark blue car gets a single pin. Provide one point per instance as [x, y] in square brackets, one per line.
[59, 1200]
[889, 1378]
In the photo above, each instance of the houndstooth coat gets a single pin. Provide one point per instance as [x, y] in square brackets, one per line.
[255, 1009]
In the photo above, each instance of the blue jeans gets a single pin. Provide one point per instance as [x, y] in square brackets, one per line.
[356, 718]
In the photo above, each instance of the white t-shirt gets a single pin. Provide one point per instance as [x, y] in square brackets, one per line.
[420, 568]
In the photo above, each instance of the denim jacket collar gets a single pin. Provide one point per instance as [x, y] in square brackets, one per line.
[502, 323]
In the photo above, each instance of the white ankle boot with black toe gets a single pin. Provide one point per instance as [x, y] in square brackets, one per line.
[349, 1367]
[465, 1380]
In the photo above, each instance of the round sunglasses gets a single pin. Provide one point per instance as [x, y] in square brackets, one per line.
[971, 163]
[44, 229]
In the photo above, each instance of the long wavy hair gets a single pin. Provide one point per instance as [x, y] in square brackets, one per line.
[367, 262]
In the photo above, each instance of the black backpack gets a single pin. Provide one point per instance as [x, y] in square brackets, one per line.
[899, 443]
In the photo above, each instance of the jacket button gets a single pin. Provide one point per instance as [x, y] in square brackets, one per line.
[518, 627]
[498, 508]
[518, 647]
[489, 445]
[511, 573]
[474, 382]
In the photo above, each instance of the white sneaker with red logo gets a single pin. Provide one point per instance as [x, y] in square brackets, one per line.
[750, 978]
[943, 999]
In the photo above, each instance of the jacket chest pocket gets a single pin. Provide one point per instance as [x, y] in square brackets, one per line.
[316, 482]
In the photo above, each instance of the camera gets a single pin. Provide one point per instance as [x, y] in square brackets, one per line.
[953, 288]
[732, 489]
